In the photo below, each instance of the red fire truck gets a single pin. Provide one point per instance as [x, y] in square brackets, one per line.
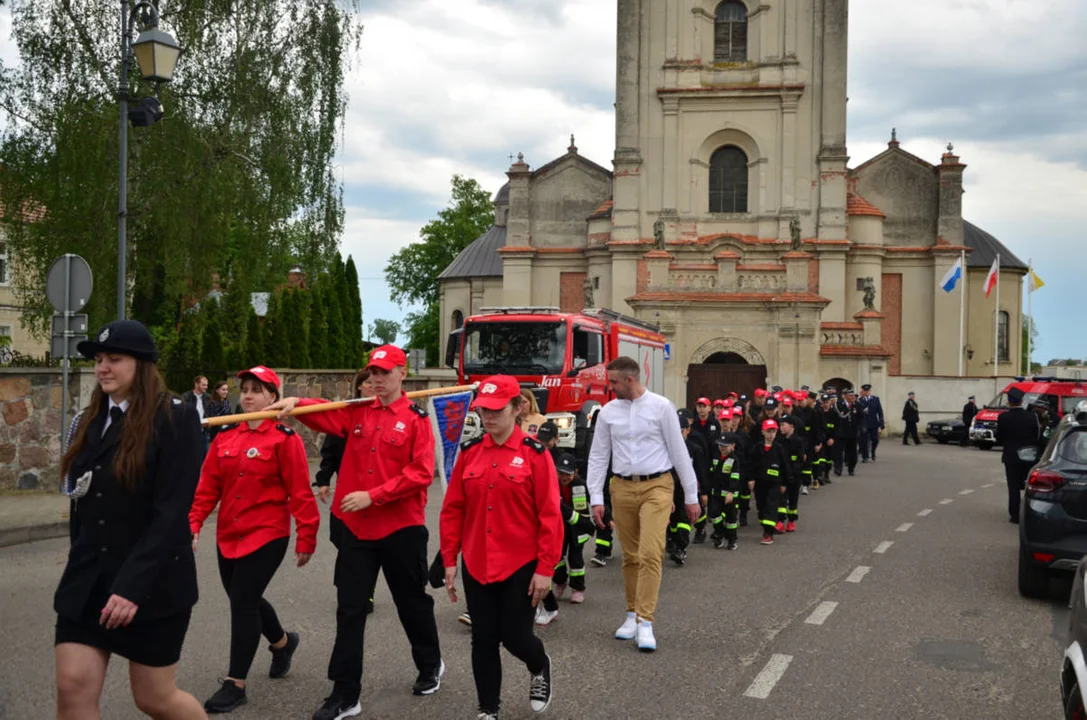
[560, 356]
[1062, 395]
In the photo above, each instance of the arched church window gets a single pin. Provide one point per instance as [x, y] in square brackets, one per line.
[730, 32]
[728, 180]
[1002, 337]
[458, 319]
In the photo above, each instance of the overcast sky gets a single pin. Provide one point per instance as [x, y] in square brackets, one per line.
[456, 86]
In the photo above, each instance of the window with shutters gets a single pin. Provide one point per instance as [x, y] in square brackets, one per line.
[730, 33]
[728, 180]
[1002, 341]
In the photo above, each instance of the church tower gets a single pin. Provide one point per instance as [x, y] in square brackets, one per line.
[730, 117]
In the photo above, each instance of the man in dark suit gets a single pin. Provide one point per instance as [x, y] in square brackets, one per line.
[849, 420]
[198, 397]
[1015, 428]
[911, 415]
[969, 410]
[872, 421]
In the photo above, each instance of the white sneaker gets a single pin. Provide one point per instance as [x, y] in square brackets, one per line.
[803, 489]
[544, 617]
[646, 641]
[628, 629]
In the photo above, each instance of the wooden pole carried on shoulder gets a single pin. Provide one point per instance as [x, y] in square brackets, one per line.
[325, 407]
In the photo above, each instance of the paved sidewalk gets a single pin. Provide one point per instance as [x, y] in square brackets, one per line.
[32, 516]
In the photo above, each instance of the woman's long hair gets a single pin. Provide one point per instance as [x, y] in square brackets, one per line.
[147, 395]
[530, 398]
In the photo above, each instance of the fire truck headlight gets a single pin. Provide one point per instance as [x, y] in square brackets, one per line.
[563, 423]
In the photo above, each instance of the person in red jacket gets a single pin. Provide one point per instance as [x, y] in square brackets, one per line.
[501, 514]
[259, 473]
[381, 494]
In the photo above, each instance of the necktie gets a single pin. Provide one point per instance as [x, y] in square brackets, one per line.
[115, 415]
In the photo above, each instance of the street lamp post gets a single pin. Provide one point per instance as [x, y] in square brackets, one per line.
[156, 54]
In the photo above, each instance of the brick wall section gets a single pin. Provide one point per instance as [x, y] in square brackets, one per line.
[891, 328]
[813, 275]
[641, 277]
[571, 291]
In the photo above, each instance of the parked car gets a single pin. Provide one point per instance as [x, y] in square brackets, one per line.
[1053, 515]
[1074, 670]
[945, 431]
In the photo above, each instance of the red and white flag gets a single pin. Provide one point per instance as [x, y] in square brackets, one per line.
[990, 279]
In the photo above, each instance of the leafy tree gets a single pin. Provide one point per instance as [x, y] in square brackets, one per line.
[212, 357]
[297, 309]
[412, 272]
[385, 331]
[276, 334]
[318, 324]
[239, 169]
[337, 330]
[254, 341]
[182, 352]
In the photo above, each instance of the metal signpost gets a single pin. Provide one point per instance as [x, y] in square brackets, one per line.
[68, 287]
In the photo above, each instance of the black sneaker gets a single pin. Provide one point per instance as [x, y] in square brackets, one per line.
[599, 559]
[718, 542]
[732, 545]
[743, 520]
[226, 698]
[281, 658]
[678, 557]
[699, 537]
[337, 707]
[429, 682]
[539, 693]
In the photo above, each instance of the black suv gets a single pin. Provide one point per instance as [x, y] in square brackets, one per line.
[1053, 517]
[1074, 668]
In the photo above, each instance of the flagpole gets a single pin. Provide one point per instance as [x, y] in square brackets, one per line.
[1030, 310]
[996, 323]
[962, 309]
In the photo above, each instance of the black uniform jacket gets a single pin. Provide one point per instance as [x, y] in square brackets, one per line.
[135, 544]
[1016, 428]
[847, 418]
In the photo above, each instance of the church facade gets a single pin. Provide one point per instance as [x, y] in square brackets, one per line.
[732, 218]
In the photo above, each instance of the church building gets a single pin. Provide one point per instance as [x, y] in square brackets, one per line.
[732, 218]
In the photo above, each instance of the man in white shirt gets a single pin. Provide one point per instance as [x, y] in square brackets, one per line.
[639, 432]
[198, 397]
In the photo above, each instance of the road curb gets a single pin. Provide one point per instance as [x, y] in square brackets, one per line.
[31, 533]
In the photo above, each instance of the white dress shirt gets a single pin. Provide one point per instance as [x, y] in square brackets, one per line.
[109, 418]
[200, 405]
[641, 437]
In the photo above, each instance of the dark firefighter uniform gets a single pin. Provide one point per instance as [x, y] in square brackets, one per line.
[796, 450]
[831, 448]
[701, 447]
[578, 520]
[848, 425]
[769, 467]
[679, 526]
[743, 448]
[725, 479]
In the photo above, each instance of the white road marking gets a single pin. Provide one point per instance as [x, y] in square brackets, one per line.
[967, 491]
[926, 511]
[821, 613]
[988, 485]
[883, 547]
[765, 681]
[858, 574]
[904, 527]
[946, 501]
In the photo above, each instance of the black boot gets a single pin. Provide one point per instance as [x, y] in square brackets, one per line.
[281, 657]
[699, 536]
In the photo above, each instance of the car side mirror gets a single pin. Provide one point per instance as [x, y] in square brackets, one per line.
[573, 372]
[1028, 454]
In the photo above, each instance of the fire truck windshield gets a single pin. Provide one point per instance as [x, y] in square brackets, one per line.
[514, 348]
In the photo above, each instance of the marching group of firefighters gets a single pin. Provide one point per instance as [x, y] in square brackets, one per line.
[516, 515]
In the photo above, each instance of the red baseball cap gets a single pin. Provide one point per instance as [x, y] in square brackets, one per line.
[724, 415]
[787, 400]
[769, 424]
[719, 403]
[387, 357]
[760, 393]
[263, 374]
[702, 401]
[728, 403]
[496, 392]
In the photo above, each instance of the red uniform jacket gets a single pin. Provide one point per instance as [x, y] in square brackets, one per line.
[501, 509]
[262, 478]
[389, 454]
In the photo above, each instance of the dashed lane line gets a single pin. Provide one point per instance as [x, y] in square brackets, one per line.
[904, 527]
[967, 491]
[883, 547]
[923, 513]
[765, 681]
[946, 501]
[858, 574]
[988, 485]
[821, 613]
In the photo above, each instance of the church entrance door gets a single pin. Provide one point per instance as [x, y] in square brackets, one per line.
[722, 373]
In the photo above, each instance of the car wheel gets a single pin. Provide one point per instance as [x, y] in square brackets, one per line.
[1074, 709]
[985, 446]
[1033, 579]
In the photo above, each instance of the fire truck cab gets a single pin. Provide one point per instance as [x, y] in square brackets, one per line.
[1062, 396]
[561, 357]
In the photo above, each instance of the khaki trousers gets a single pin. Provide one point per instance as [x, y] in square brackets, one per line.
[641, 511]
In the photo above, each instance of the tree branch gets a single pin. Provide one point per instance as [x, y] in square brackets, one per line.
[86, 42]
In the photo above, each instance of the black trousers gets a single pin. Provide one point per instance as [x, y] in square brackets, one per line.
[724, 517]
[845, 451]
[571, 567]
[767, 499]
[245, 579]
[502, 613]
[402, 557]
[679, 525]
[1015, 475]
[911, 432]
[605, 535]
[869, 441]
[787, 510]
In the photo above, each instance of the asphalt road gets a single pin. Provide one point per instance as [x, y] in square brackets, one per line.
[874, 609]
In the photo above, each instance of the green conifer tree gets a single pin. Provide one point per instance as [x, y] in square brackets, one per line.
[318, 324]
[254, 342]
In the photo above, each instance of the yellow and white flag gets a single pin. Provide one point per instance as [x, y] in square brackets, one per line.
[1033, 281]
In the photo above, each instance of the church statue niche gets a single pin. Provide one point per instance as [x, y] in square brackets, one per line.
[869, 288]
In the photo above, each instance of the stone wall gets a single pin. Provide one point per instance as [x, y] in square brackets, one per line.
[30, 405]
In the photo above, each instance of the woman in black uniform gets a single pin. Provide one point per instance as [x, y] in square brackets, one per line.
[130, 582]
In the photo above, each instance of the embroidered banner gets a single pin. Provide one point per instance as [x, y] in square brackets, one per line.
[447, 413]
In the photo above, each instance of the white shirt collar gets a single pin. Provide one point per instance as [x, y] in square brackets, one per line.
[123, 405]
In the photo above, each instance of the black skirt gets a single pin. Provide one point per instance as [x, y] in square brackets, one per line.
[155, 643]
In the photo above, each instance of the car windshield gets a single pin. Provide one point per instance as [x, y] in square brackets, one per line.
[515, 348]
[1069, 403]
[1000, 402]
[1073, 447]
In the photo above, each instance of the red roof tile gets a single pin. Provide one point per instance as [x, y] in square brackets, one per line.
[785, 297]
[604, 211]
[854, 351]
[856, 205]
[841, 326]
